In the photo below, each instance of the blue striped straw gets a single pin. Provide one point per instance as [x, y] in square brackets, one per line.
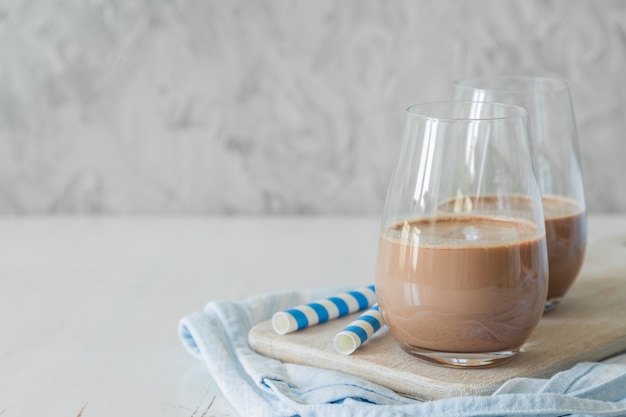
[307, 315]
[349, 339]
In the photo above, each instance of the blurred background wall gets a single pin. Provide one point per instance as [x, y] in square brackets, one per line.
[273, 106]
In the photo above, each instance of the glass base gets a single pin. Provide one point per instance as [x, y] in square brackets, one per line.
[551, 303]
[462, 359]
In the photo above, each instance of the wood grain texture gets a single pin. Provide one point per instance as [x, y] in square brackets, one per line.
[587, 326]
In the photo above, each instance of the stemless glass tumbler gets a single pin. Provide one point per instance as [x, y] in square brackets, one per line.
[461, 274]
[558, 166]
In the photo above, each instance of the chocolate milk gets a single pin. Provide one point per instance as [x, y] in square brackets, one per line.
[462, 283]
[566, 236]
[566, 232]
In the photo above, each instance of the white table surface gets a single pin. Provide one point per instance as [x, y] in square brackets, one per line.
[89, 307]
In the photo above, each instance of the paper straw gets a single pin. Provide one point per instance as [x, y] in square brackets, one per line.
[323, 310]
[349, 339]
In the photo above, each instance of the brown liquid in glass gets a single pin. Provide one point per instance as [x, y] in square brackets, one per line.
[462, 283]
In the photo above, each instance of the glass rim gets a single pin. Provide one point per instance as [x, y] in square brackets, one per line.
[421, 110]
[496, 83]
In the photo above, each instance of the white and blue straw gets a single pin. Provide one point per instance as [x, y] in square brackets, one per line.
[349, 339]
[320, 311]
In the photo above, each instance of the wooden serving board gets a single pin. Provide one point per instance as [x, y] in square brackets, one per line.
[588, 325]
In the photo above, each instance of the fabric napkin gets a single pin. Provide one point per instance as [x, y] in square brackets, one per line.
[260, 386]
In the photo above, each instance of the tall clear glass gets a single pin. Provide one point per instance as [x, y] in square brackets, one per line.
[461, 275]
[557, 157]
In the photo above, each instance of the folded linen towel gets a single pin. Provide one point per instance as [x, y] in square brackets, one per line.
[260, 386]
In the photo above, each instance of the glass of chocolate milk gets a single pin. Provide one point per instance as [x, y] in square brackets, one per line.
[462, 268]
[558, 166]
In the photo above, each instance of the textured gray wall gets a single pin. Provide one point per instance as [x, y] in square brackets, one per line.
[272, 106]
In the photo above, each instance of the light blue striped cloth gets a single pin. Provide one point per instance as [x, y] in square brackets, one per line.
[260, 386]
